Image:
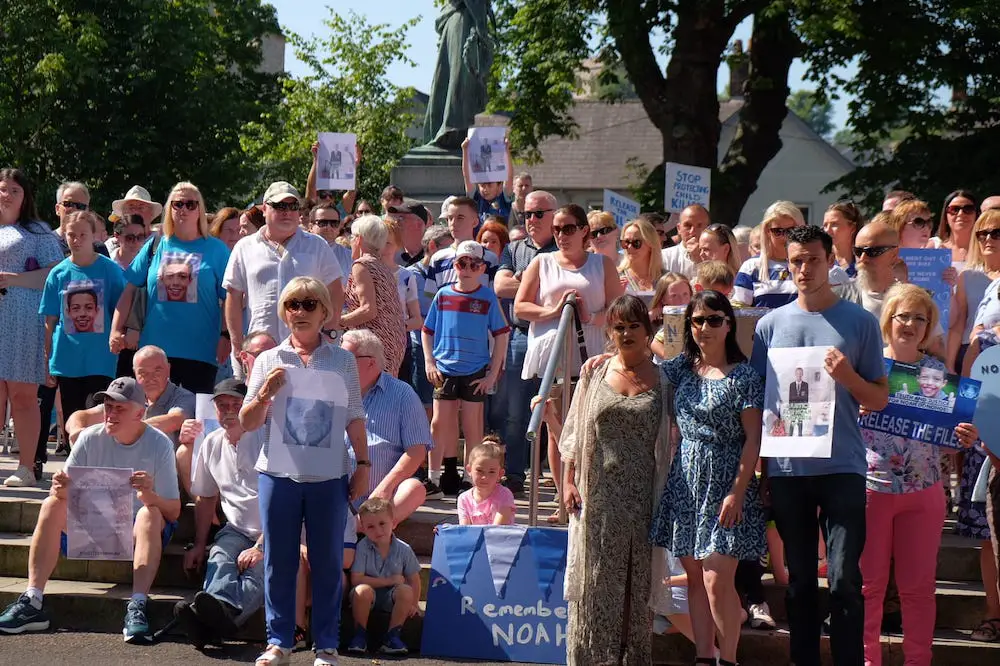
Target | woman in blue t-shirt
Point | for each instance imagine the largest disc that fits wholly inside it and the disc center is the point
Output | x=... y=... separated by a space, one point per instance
x=182 y=275
x=78 y=299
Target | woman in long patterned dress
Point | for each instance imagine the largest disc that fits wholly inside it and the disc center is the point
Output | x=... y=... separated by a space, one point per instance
x=28 y=249
x=614 y=447
x=371 y=298
x=710 y=515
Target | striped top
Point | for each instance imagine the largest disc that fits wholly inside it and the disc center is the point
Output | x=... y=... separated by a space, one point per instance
x=779 y=288
x=441 y=272
x=328 y=357
x=396 y=422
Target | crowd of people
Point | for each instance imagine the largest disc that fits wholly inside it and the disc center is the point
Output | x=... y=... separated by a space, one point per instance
x=438 y=330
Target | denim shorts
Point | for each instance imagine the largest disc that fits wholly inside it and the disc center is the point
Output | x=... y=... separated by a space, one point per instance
x=384 y=599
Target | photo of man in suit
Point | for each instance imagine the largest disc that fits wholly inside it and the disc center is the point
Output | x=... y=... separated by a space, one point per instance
x=798 y=394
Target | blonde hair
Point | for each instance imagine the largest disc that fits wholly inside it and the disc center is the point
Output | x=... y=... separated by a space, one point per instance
x=901 y=294
x=975 y=259
x=491 y=448
x=374 y=505
x=168 y=210
x=85 y=216
x=725 y=236
x=715 y=272
x=603 y=217
x=305 y=287
x=650 y=238
x=898 y=215
x=663 y=284
x=775 y=211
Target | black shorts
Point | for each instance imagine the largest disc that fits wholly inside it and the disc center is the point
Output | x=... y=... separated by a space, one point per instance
x=460 y=387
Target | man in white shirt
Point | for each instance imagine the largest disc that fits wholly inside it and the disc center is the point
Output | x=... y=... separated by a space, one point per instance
x=224 y=471
x=684 y=257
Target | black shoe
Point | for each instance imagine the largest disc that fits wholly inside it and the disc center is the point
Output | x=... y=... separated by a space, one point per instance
x=515 y=486
x=432 y=490
x=451 y=484
x=37 y=469
x=892 y=623
x=215 y=614
x=192 y=627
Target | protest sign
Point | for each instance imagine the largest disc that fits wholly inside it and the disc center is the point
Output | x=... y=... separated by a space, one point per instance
x=501 y=590
x=924 y=268
x=673 y=328
x=99 y=515
x=925 y=403
x=686 y=185
x=336 y=161
x=799 y=401
x=986 y=368
x=307 y=423
x=623 y=208
x=488 y=155
x=204 y=411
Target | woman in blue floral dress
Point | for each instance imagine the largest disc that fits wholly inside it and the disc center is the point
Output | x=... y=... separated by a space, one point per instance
x=710 y=515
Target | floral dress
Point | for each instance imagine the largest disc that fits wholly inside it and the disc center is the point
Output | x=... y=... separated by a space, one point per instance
x=388 y=321
x=899 y=465
x=972 y=521
x=707 y=463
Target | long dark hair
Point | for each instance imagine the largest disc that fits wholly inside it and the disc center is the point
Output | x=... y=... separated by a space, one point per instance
x=627 y=309
x=28 y=212
x=579 y=216
x=944 y=229
x=712 y=300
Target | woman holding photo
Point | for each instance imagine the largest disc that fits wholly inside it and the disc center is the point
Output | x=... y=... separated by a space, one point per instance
x=906 y=503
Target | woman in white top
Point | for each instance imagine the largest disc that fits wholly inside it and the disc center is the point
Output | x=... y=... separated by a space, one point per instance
x=982 y=268
x=643 y=263
x=545 y=287
x=764 y=281
x=958 y=215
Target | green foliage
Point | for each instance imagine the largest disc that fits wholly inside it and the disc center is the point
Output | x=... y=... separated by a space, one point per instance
x=132 y=92
x=816 y=113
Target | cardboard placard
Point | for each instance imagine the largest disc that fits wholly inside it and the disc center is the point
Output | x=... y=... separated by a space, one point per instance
x=686 y=185
x=623 y=208
x=673 y=328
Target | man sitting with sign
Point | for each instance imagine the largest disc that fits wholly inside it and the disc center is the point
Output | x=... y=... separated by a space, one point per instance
x=224 y=470
x=122 y=441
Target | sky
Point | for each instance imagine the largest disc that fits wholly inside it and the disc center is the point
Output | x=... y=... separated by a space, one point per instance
x=305 y=18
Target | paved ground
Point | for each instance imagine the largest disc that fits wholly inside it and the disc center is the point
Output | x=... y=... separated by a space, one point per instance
x=80 y=648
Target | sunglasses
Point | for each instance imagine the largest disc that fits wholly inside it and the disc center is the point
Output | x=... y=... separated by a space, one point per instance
x=133 y=238
x=920 y=223
x=968 y=209
x=538 y=214
x=907 y=319
x=306 y=304
x=565 y=230
x=284 y=205
x=468 y=264
x=872 y=250
x=780 y=231
x=323 y=195
x=190 y=204
x=992 y=234
x=715 y=321
x=75 y=205
x=635 y=244
x=597 y=233
x=327 y=223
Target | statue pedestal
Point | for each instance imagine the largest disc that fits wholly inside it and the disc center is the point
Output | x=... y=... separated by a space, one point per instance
x=429 y=175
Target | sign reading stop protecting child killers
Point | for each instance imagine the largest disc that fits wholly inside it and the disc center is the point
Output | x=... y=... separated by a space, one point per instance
x=685 y=186
x=496 y=593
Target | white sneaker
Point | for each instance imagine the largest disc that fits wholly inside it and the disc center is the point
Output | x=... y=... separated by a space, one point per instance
x=760 y=617
x=22 y=478
x=326 y=658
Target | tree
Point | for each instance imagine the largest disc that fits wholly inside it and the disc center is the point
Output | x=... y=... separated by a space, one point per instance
x=134 y=91
x=817 y=114
x=346 y=91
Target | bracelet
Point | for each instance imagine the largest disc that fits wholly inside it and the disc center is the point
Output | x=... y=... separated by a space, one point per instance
x=364 y=463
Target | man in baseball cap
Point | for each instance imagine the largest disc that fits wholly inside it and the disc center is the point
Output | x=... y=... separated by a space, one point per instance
x=281 y=191
x=122 y=441
x=413 y=218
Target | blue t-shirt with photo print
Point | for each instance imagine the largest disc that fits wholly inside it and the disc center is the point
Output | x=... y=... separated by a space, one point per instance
x=84 y=299
x=183 y=283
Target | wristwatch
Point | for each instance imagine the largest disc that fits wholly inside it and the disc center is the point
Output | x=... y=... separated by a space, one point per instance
x=259 y=547
x=364 y=463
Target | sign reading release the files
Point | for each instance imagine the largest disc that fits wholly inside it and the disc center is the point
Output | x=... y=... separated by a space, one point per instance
x=622 y=208
x=685 y=186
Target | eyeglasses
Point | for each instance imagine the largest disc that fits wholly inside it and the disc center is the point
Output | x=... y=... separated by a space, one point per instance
x=75 y=205
x=306 y=304
x=780 y=231
x=968 y=209
x=133 y=238
x=920 y=223
x=872 y=250
x=715 y=321
x=468 y=264
x=634 y=243
x=565 y=230
x=992 y=234
x=539 y=214
x=323 y=195
x=907 y=319
x=190 y=204
x=327 y=223
x=284 y=205
x=602 y=231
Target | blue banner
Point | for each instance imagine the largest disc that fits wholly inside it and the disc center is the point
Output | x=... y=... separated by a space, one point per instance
x=986 y=368
x=924 y=268
x=925 y=403
x=496 y=593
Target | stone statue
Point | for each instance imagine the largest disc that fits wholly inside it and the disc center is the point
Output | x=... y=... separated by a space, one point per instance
x=465 y=54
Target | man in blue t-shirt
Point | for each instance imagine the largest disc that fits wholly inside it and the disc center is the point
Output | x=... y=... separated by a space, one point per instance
x=832 y=488
x=460 y=323
x=492 y=198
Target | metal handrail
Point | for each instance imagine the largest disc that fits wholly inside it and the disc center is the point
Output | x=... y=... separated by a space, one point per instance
x=563 y=342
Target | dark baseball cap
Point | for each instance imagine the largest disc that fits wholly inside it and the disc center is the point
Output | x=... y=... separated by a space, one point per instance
x=409 y=207
x=233 y=387
x=123 y=389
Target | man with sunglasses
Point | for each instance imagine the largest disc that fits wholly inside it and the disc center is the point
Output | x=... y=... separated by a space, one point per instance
x=809 y=494
x=71 y=197
x=684 y=257
x=413 y=219
x=263 y=263
x=326 y=222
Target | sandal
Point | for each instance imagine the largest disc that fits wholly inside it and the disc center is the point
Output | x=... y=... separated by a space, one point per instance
x=274 y=655
x=554 y=519
x=988 y=631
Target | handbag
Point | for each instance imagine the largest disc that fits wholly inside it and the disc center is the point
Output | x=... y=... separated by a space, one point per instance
x=140 y=298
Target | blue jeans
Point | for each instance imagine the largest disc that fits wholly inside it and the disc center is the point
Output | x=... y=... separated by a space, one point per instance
x=518 y=394
x=284 y=504
x=419 y=377
x=223 y=579
x=839 y=500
